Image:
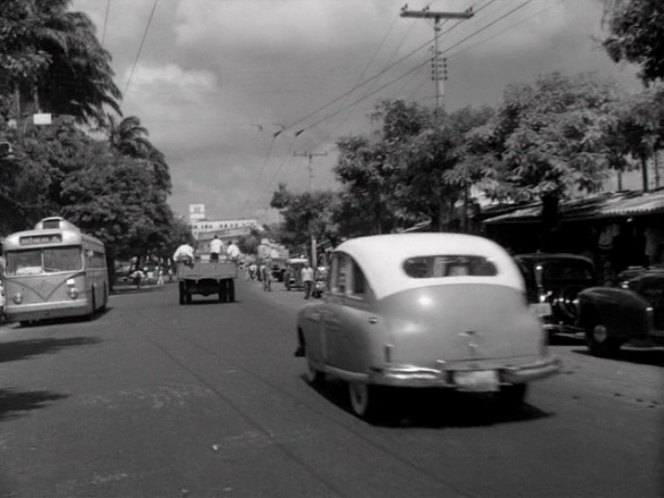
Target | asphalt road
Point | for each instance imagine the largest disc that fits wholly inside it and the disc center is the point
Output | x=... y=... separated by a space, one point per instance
x=157 y=399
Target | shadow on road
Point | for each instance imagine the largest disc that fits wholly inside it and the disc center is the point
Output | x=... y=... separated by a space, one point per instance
x=640 y=356
x=433 y=408
x=13 y=403
x=25 y=348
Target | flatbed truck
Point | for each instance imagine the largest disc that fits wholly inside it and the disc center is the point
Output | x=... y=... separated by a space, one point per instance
x=207 y=278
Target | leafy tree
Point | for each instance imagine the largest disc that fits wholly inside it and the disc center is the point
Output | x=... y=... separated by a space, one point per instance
x=639 y=127
x=547 y=141
x=306 y=214
x=430 y=177
x=52 y=59
x=363 y=169
x=636 y=34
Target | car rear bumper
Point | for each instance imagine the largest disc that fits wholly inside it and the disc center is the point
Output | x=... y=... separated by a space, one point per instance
x=411 y=376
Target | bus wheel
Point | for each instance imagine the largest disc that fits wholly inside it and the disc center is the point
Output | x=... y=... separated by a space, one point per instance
x=105 y=299
x=93 y=303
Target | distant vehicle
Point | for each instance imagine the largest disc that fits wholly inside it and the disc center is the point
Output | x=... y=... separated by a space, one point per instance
x=553 y=282
x=630 y=314
x=434 y=310
x=293 y=273
x=207 y=278
x=54 y=271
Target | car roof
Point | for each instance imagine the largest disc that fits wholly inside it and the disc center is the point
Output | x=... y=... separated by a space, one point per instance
x=381 y=258
x=545 y=256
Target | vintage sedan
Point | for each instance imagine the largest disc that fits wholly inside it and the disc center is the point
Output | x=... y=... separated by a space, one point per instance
x=632 y=313
x=424 y=310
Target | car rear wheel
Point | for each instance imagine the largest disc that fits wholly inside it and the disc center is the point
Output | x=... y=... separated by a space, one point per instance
x=366 y=400
x=599 y=342
x=183 y=293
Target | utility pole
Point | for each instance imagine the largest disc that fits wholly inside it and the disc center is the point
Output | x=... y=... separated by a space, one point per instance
x=311 y=155
x=437 y=64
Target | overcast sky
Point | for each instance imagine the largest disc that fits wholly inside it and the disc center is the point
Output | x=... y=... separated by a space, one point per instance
x=216 y=79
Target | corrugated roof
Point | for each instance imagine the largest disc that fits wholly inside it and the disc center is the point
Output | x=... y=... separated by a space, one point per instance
x=606 y=205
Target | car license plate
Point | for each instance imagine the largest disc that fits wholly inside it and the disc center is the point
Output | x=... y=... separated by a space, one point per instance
x=542 y=309
x=477 y=380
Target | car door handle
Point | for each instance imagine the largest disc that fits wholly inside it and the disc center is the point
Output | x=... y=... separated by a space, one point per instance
x=373 y=320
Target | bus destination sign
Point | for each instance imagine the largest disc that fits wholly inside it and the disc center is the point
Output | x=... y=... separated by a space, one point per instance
x=32 y=240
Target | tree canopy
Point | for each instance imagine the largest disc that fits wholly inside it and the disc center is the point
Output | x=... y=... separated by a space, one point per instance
x=636 y=34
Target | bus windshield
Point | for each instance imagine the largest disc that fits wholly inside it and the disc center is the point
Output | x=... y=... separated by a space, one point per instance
x=47 y=260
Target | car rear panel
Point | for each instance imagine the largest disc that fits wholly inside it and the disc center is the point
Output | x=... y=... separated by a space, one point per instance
x=460 y=323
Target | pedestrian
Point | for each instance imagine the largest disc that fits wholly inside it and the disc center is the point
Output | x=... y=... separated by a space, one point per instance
x=137 y=277
x=216 y=246
x=252 y=271
x=233 y=251
x=160 y=275
x=307 y=274
x=267 y=278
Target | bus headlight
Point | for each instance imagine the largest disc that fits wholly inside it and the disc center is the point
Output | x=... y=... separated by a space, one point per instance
x=18 y=298
x=72 y=292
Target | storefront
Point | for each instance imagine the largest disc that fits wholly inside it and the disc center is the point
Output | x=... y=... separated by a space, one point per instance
x=616 y=230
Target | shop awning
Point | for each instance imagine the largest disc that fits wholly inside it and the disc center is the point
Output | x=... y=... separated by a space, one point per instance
x=607 y=205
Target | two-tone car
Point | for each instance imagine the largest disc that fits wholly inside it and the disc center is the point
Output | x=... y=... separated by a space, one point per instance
x=424 y=310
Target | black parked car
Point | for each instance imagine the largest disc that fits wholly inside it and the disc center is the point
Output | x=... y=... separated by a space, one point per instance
x=632 y=313
x=553 y=282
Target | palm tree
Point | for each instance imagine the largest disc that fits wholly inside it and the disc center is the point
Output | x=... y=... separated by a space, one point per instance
x=51 y=58
x=129 y=138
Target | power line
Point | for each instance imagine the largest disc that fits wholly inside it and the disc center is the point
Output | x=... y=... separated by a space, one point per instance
x=103 y=34
x=465 y=49
x=140 y=47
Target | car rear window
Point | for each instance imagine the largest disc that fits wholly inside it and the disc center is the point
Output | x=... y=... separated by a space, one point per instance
x=457 y=265
x=567 y=270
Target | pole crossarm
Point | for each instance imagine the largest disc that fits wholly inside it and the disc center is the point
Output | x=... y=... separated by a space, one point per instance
x=427 y=14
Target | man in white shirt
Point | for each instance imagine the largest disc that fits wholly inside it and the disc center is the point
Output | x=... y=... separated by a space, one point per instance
x=215 y=248
x=233 y=251
x=307 y=274
x=184 y=253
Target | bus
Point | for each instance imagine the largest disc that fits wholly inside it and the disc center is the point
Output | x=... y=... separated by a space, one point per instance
x=53 y=271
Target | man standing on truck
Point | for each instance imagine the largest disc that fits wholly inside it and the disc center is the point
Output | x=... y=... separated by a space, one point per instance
x=184 y=254
x=233 y=251
x=216 y=246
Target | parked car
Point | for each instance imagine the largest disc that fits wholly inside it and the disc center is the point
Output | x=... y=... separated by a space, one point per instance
x=632 y=313
x=423 y=310
x=553 y=282
x=293 y=273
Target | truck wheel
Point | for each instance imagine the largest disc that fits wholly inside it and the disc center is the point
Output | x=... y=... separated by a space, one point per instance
x=222 y=291
x=599 y=342
x=230 y=287
x=188 y=297
x=183 y=294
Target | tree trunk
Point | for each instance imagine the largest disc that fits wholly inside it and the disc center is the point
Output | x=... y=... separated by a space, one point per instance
x=644 y=172
x=550 y=219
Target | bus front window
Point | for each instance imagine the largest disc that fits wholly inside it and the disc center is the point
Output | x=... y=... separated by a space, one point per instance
x=24 y=262
x=62 y=259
